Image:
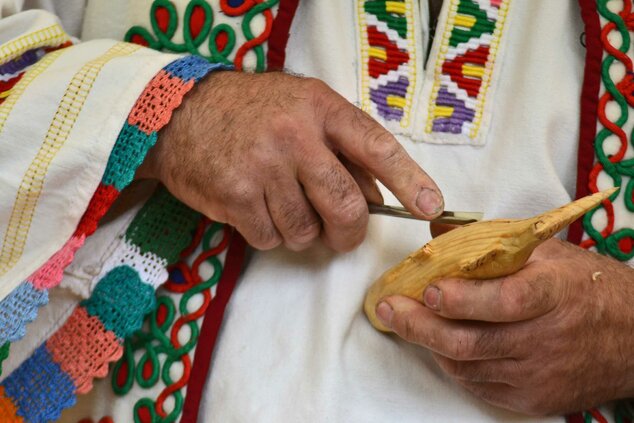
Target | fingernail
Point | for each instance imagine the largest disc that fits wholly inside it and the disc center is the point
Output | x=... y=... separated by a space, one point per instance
x=432 y=298
x=429 y=202
x=384 y=312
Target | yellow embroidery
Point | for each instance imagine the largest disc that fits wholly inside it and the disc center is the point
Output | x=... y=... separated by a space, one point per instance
x=51 y=36
x=377 y=53
x=388 y=58
x=464 y=66
x=465 y=21
x=396 y=7
x=59 y=130
x=18 y=89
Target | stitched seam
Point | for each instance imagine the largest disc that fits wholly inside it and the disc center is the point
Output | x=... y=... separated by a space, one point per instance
x=20 y=87
x=49 y=36
x=57 y=135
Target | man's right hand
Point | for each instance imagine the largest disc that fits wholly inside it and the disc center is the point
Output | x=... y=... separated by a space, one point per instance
x=284 y=159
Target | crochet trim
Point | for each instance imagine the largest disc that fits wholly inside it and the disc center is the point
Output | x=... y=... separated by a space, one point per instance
x=465 y=65
x=388 y=59
x=600 y=91
x=158 y=354
x=30 y=189
x=91 y=338
x=105 y=195
x=18 y=309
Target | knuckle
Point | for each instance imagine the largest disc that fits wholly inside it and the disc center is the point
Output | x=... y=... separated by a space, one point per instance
x=261 y=235
x=243 y=193
x=264 y=239
x=409 y=328
x=283 y=125
x=301 y=226
x=512 y=299
x=315 y=86
x=382 y=146
x=461 y=345
x=453 y=300
x=351 y=212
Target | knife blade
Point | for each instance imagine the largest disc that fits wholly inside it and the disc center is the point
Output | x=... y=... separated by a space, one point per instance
x=447 y=217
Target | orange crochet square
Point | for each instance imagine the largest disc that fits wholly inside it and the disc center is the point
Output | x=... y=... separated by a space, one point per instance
x=161 y=96
x=83 y=348
x=8 y=410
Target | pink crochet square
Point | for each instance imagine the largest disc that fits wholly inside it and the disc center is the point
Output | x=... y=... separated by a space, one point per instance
x=52 y=272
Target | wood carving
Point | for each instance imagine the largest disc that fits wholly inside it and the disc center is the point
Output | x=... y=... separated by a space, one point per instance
x=482 y=250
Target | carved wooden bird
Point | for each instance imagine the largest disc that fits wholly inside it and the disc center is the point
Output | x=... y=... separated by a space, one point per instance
x=482 y=250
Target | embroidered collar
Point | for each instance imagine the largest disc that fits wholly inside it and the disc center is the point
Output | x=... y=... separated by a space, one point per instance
x=452 y=106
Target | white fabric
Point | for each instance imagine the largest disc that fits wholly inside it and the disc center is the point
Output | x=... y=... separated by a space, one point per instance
x=76 y=170
x=296 y=345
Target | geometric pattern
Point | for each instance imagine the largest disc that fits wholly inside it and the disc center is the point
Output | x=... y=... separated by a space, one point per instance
x=388 y=61
x=464 y=66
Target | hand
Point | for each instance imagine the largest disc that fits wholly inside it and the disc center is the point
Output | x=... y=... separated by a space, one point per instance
x=556 y=337
x=284 y=159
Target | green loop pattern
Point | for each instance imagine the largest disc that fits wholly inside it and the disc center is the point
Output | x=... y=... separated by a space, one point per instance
x=620 y=172
x=220 y=39
x=155 y=352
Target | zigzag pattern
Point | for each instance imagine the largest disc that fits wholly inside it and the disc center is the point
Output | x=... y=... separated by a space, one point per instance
x=464 y=69
x=387 y=58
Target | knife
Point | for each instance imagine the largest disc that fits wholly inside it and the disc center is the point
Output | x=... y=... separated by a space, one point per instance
x=447 y=217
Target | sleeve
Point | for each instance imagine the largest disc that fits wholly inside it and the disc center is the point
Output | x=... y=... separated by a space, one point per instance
x=75 y=123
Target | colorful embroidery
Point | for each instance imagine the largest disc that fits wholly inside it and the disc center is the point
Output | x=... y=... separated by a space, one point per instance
x=115 y=304
x=388 y=61
x=4 y=353
x=70 y=105
x=610 y=227
x=50 y=36
x=464 y=66
x=201 y=37
x=12 y=72
x=157 y=354
x=91 y=338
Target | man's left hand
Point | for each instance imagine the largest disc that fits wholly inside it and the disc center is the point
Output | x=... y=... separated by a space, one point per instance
x=556 y=337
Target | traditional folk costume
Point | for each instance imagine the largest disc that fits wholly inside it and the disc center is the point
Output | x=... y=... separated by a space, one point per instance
x=112 y=295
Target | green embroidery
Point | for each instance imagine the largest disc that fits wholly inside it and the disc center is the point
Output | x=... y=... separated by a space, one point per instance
x=4 y=353
x=482 y=23
x=620 y=170
x=197 y=33
x=120 y=300
x=623 y=412
x=127 y=155
x=394 y=21
x=168 y=231
x=151 y=353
